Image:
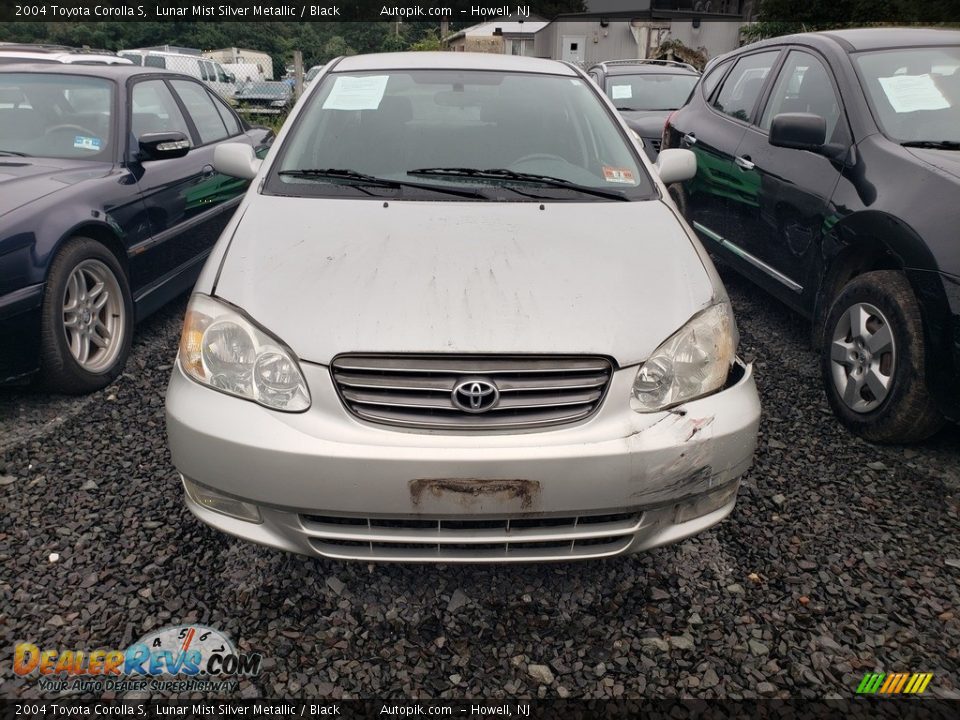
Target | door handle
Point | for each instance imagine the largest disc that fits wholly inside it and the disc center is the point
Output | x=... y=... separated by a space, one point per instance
x=207 y=171
x=689 y=139
x=744 y=162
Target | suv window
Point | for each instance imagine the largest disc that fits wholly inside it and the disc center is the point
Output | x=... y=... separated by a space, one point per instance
x=803 y=86
x=158 y=61
x=155 y=110
x=713 y=78
x=200 y=106
x=742 y=86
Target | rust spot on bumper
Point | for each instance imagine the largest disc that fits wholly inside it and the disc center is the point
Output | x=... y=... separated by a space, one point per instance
x=466 y=490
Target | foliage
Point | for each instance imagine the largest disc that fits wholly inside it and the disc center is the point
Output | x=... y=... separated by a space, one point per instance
x=783 y=17
x=430 y=41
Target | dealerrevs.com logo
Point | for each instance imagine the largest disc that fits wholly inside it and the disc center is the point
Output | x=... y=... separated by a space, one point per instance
x=190 y=652
x=894 y=683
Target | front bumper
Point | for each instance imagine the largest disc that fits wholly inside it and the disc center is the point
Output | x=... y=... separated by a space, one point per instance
x=328 y=484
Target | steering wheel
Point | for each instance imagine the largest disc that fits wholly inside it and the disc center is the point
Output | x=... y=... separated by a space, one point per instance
x=68 y=126
x=533 y=157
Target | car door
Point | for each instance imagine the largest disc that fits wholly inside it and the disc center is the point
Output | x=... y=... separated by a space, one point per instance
x=188 y=203
x=714 y=135
x=779 y=229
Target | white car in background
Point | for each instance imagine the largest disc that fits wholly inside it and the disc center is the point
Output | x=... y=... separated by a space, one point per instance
x=209 y=71
x=457 y=318
x=16 y=53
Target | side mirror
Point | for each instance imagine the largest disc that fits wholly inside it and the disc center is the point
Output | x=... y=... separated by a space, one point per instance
x=798 y=131
x=675 y=165
x=163 y=145
x=236 y=160
x=231 y=78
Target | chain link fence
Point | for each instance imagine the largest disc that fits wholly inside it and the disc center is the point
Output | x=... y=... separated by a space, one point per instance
x=247 y=86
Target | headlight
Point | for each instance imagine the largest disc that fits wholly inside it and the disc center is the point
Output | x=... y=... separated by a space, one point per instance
x=278 y=103
x=221 y=348
x=693 y=362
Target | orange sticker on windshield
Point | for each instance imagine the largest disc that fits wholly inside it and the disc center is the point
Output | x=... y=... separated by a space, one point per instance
x=618 y=175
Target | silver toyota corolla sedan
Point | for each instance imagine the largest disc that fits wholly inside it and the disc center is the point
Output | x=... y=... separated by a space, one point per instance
x=457 y=318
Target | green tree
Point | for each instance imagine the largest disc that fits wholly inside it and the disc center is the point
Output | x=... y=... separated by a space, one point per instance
x=429 y=41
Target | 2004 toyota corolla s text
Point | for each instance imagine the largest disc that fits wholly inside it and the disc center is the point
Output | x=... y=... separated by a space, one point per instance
x=457 y=318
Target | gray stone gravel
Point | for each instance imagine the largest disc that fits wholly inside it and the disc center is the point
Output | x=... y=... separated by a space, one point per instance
x=840 y=559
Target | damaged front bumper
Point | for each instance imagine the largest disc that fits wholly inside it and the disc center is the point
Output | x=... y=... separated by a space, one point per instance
x=325 y=483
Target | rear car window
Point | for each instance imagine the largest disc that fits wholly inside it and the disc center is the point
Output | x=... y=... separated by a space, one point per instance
x=201 y=108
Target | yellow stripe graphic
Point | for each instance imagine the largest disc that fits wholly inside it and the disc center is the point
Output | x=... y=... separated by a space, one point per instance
x=926 y=681
x=914 y=682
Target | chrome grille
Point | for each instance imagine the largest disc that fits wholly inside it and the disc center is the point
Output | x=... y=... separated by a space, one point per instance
x=472 y=539
x=417 y=391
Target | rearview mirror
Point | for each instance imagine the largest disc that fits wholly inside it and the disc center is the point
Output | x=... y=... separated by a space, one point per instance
x=676 y=165
x=163 y=145
x=236 y=160
x=798 y=131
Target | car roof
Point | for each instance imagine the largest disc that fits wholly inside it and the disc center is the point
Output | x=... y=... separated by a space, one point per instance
x=452 y=61
x=891 y=37
x=64 y=57
x=113 y=72
x=639 y=67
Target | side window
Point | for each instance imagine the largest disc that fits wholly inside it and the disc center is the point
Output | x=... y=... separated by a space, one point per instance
x=742 y=86
x=155 y=110
x=201 y=108
x=803 y=86
x=206 y=69
x=158 y=61
x=229 y=119
x=713 y=78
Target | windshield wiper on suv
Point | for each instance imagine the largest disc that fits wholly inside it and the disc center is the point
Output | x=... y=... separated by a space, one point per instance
x=13 y=152
x=510 y=175
x=360 y=179
x=933 y=144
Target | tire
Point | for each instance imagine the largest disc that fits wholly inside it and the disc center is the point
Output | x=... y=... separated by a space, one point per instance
x=85 y=336
x=873 y=360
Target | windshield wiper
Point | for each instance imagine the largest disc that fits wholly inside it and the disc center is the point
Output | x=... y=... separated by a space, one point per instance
x=13 y=152
x=360 y=179
x=933 y=144
x=512 y=175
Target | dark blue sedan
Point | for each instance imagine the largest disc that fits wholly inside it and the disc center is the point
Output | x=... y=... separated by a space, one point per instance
x=109 y=205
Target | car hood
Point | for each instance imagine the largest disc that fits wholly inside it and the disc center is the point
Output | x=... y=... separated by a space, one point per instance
x=946 y=160
x=646 y=123
x=336 y=276
x=23 y=180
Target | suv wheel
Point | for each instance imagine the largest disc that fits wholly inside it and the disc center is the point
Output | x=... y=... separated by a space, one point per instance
x=873 y=360
x=87 y=319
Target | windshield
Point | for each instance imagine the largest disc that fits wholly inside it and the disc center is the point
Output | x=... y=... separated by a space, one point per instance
x=914 y=92
x=56 y=116
x=390 y=124
x=650 y=91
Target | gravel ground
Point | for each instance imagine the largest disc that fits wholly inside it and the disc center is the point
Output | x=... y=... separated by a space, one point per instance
x=841 y=558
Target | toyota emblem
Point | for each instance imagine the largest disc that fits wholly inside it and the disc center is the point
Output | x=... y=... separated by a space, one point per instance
x=475 y=395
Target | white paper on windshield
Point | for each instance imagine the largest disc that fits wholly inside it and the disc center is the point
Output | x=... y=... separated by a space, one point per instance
x=356 y=93
x=908 y=93
x=622 y=92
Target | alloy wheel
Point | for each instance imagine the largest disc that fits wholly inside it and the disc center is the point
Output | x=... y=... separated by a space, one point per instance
x=93 y=316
